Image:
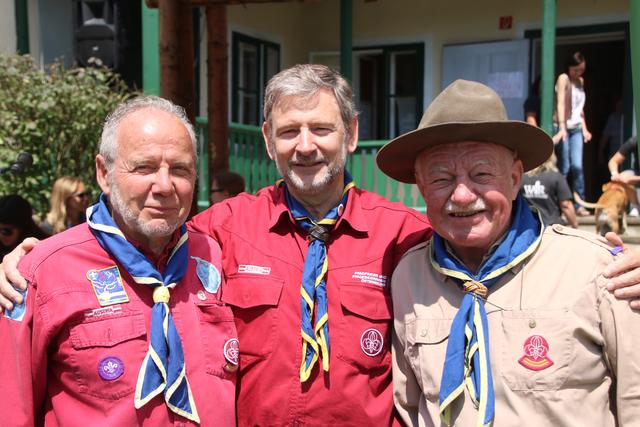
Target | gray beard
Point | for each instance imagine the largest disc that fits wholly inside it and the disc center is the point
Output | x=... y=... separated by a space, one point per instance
x=133 y=221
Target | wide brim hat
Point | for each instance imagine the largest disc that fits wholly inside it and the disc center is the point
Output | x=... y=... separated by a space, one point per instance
x=464 y=111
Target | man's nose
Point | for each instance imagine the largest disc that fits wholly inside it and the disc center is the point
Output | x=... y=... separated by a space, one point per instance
x=306 y=144
x=162 y=181
x=463 y=195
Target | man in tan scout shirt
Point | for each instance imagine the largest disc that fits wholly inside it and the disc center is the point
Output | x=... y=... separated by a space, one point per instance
x=498 y=320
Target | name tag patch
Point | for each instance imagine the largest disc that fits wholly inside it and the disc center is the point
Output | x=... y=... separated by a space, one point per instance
x=107 y=285
x=371 y=278
x=254 y=269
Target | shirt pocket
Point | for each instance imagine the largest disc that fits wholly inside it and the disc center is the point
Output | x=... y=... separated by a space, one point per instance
x=107 y=354
x=537 y=348
x=219 y=339
x=426 y=350
x=364 y=335
x=254 y=301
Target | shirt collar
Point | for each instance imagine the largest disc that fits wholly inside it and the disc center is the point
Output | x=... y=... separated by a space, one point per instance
x=353 y=214
x=159 y=261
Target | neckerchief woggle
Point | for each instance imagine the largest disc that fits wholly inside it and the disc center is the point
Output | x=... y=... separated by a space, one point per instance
x=163 y=369
x=313 y=289
x=467 y=361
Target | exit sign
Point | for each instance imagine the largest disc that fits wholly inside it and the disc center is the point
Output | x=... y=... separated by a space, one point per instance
x=506 y=22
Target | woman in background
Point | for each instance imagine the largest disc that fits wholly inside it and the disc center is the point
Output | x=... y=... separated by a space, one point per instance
x=16 y=223
x=69 y=201
x=572 y=127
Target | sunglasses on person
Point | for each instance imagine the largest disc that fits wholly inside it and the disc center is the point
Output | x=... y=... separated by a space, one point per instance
x=83 y=195
x=7 y=231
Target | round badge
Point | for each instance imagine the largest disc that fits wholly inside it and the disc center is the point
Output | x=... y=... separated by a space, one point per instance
x=110 y=368
x=340 y=209
x=371 y=342
x=231 y=351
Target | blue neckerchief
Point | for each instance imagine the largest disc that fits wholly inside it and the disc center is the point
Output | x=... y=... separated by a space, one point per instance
x=467 y=359
x=163 y=368
x=314 y=287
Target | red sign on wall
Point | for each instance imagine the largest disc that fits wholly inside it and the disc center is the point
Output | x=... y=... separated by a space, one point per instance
x=506 y=22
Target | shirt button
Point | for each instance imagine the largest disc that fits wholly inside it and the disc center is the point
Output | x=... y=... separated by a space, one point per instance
x=201 y=295
x=532 y=323
x=423 y=333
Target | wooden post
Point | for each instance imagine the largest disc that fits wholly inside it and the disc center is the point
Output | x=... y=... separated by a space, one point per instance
x=177 y=82
x=217 y=79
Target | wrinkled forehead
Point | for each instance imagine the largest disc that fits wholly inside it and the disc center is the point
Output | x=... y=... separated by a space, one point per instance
x=468 y=151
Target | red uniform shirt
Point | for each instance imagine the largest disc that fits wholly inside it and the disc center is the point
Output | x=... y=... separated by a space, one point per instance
x=72 y=362
x=263 y=255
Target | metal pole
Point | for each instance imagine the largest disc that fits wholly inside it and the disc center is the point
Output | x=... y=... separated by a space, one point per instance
x=150 y=50
x=346 y=38
x=548 y=64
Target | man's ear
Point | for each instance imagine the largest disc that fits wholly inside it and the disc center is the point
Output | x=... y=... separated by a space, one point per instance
x=102 y=174
x=266 y=138
x=517 y=170
x=352 y=143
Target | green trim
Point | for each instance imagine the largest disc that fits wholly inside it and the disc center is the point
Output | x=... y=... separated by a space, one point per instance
x=150 y=50
x=387 y=50
x=21 y=10
x=261 y=70
x=346 y=39
x=548 y=65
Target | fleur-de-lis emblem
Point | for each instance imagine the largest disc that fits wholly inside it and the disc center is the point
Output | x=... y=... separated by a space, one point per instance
x=535 y=356
x=371 y=342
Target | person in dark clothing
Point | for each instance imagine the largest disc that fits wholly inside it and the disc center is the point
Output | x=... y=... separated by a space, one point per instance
x=631 y=176
x=16 y=223
x=547 y=191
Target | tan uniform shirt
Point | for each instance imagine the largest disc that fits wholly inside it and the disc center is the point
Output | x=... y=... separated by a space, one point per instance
x=562 y=348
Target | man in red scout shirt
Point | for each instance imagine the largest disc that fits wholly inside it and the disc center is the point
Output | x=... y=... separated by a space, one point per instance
x=123 y=324
x=307 y=264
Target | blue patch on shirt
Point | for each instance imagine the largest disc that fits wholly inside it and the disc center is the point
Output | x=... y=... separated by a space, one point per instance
x=108 y=286
x=17 y=313
x=208 y=274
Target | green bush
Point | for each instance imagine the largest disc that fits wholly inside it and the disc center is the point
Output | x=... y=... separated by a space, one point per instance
x=56 y=114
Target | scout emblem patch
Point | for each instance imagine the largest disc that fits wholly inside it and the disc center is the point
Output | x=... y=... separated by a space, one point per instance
x=231 y=350
x=208 y=274
x=371 y=342
x=535 y=354
x=17 y=313
x=110 y=368
x=107 y=284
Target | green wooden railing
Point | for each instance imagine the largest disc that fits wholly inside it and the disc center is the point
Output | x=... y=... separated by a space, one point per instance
x=248 y=157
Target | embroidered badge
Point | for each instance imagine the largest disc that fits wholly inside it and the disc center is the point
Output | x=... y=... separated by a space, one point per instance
x=535 y=354
x=17 y=313
x=371 y=342
x=110 y=368
x=254 y=269
x=108 y=286
x=208 y=274
x=231 y=351
x=371 y=278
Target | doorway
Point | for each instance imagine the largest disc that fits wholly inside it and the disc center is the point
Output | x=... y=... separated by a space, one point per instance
x=606 y=79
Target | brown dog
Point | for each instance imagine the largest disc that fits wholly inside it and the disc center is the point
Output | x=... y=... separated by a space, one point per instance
x=611 y=207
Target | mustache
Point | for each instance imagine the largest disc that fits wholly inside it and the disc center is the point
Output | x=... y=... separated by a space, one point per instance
x=307 y=160
x=453 y=208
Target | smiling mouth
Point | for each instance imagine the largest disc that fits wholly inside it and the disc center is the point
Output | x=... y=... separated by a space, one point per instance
x=464 y=214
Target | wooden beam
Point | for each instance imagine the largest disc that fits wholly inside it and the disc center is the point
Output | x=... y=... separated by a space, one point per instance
x=177 y=80
x=217 y=80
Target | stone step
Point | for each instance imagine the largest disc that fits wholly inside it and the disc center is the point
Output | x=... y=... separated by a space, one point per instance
x=631 y=235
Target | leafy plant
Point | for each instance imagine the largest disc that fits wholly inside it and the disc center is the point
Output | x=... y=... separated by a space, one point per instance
x=56 y=114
